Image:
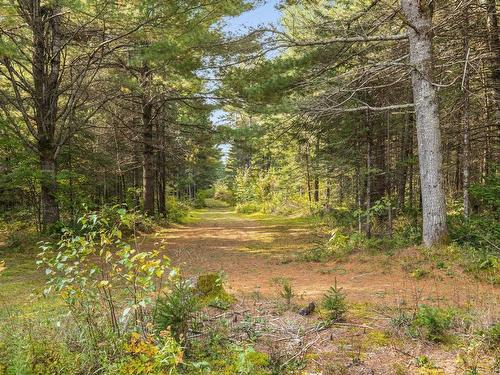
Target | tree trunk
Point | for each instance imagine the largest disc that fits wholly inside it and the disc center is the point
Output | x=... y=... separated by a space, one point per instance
x=148 y=182
x=308 y=176
x=316 y=172
x=162 y=209
x=419 y=16
x=368 y=188
x=48 y=183
x=465 y=119
x=46 y=67
x=403 y=161
x=494 y=46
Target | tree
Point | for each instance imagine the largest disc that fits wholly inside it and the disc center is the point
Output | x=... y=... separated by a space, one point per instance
x=51 y=54
x=419 y=17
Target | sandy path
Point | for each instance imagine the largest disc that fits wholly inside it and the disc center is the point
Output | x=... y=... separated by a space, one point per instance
x=253 y=255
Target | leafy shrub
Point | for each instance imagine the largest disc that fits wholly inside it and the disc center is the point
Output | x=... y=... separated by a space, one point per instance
x=223 y=193
x=432 y=323
x=176 y=308
x=491 y=336
x=251 y=362
x=176 y=210
x=84 y=269
x=144 y=355
x=201 y=197
x=28 y=348
x=248 y=208
x=334 y=304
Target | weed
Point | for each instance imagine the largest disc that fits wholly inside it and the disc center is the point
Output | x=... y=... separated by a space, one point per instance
x=432 y=323
x=491 y=336
x=419 y=273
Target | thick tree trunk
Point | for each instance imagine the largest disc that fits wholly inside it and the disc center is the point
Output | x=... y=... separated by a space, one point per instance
x=48 y=184
x=419 y=16
x=46 y=67
x=148 y=182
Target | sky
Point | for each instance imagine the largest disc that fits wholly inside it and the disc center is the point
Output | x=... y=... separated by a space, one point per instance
x=263 y=14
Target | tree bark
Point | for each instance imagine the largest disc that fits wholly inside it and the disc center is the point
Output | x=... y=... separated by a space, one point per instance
x=46 y=61
x=48 y=184
x=162 y=184
x=403 y=161
x=316 y=172
x=419 y=16
x=465 y=119
x=148 y=182
x=494 y=45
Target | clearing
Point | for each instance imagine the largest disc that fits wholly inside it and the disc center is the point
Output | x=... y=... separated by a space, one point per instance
x=256 y=251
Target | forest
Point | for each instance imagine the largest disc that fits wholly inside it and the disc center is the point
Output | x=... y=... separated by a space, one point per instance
x=249 y=187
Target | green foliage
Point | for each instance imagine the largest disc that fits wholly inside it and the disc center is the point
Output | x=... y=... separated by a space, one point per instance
x=334 y=304
x=86 y=268
x=176 y=309
x=201 y=197
x=223 y=193
x=34 y=350
x=491 y=336
x=487 y=195
x=147 y=356
x=248 y=208
x=286 y=291
x=176 y=210
x=251 y=362
x=432 y=323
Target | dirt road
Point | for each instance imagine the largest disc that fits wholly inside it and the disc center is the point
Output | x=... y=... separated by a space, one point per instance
x=255 y=253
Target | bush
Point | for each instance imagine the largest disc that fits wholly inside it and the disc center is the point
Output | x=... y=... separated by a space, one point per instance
x=26 y=347
x=176 y=309
x=201 y=198
x=334 y=304
x=144 y=355
x=84 y=269
x=432 y=323
x=176 y=210
x=223 y=193
x=248 y=208
x=491 y=336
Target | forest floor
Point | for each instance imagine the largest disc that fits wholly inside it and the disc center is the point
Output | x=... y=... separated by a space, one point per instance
x=256 y=251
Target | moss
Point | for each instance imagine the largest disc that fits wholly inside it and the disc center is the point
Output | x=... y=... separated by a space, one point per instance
x=258 y=359
x=210 y=290
x=376 y=339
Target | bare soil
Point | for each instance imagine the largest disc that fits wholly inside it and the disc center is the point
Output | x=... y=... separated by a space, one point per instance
x=254 y=254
